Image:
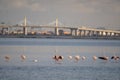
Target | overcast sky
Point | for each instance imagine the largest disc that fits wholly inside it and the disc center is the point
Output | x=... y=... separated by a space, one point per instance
x=93 y=13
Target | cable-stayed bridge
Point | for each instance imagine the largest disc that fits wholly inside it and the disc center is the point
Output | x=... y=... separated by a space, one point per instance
x=59 y=28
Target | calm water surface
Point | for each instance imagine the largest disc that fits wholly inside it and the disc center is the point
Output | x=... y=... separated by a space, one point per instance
x=47 y=69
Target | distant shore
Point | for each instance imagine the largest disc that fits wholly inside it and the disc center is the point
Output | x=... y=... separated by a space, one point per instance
x=58 y=37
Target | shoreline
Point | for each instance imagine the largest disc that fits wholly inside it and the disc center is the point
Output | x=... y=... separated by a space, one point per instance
x=59 y=37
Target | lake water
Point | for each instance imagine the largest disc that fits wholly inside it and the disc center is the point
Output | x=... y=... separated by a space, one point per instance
x=46 y=68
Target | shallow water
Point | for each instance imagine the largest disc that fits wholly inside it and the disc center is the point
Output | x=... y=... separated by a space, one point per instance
x=47 y=69
x=59 y=73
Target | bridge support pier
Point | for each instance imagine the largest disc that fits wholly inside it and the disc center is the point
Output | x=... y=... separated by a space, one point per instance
x=97 y=33
x=101 y=34
x=83 y=33
x=71 y=32
x=88 y=33
x=76 y=32
x=80 y=33
x=110 y=34
x=25 y=30
x=56 y=31
x=106 y=34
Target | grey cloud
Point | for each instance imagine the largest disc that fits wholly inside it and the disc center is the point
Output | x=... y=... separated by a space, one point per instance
x=81 y=6
x=19 y=4
x=100 y=5
x=76 y=12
